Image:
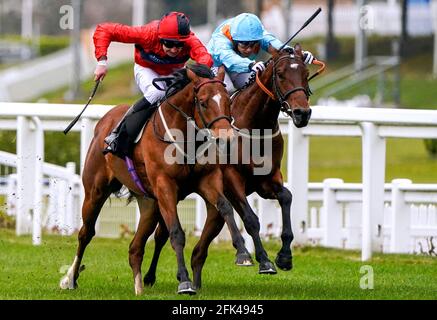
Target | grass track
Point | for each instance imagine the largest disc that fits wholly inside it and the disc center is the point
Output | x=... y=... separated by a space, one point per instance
x=29 y=272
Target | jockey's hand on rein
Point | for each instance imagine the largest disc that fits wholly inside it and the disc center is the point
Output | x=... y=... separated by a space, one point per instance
x=307 y=57
x=258 y=66
x=101 y=70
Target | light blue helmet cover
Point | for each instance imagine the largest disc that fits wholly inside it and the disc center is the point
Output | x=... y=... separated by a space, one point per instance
x=246 y=27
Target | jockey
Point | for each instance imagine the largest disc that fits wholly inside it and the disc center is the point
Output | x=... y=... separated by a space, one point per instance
x=161 y=47
x=236 y=43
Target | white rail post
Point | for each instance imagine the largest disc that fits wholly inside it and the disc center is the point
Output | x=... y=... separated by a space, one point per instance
x=71 y=216
x=254 y=202
x=26 y=150
x=269 y=218
x=62 y=188
x=298 y=158
x=200 y=215
x=11 y=200
x=331 y=215
x=373 y=153
x=86 y=135
x=353 y=225
x=38 y=176
x=400 y=218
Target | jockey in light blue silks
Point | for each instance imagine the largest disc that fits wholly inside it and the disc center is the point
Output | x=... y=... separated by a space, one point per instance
x=237 y=42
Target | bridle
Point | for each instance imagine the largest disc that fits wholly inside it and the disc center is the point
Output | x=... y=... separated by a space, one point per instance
x=189 y=119
x=208 y=125
x=277 y=95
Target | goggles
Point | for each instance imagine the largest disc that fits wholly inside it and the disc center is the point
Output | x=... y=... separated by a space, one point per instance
x=172 y=43
x=247 y=44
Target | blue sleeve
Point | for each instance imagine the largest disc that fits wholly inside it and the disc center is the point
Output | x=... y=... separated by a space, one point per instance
x=270 y=39
x=223 y=53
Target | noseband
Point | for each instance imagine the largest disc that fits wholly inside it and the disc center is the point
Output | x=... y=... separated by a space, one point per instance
x=278 y=95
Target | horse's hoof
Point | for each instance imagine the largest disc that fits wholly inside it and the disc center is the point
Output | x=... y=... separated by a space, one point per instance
x=267 y=268
x=139 y=291
x=186 y=287
x=244 y=259
x=284 y=262
x=149 y=280
x=67 y=283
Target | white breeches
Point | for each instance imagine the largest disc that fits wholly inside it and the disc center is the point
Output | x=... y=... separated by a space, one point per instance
x=144 y=78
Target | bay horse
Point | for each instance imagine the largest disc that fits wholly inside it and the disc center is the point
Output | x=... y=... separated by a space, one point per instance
x=158 y=184
x=283 y=86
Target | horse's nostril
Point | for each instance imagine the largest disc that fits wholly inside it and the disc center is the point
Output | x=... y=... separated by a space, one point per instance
x=297 y=112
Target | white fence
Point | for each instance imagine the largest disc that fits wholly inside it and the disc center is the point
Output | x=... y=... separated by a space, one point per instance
x=373 y=125
x=56 y=201
x=409 y=217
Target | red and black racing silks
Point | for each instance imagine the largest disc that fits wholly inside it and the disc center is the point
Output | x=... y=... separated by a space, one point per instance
x=148 y=49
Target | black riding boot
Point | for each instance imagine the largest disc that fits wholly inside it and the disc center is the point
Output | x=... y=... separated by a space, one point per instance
x=121 y=140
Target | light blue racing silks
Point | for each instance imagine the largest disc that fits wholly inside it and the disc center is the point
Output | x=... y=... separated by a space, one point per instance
x=222 y=49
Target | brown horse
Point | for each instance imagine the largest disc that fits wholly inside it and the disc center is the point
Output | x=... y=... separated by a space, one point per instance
x=204 y=103
x=282 y=86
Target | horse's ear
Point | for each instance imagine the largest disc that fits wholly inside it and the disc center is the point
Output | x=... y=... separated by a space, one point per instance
x=298 y=49
x=192 y=76
x=221 y=73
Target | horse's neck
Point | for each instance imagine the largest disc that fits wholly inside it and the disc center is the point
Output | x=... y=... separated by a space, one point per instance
x=184 y=101
x=250 y=109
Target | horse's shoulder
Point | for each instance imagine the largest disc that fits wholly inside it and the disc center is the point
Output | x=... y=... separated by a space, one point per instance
x=113 y=114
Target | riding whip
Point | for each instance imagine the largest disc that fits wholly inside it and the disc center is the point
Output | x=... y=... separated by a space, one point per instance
x=78 y=116
x=304 y=25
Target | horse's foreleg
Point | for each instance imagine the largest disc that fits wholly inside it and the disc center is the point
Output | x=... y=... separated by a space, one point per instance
x=95 y=197
x=146 y=225
x=166 y=194
x=284 y=258
x=236 y=193
x=252 y=225
x=161 y=236
x=211 y=189
x=213 y=225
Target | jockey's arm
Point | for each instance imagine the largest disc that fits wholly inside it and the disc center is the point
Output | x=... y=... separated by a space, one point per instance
x=105 y=33
x=269 y=40
x=198 y=52
x=108 y=32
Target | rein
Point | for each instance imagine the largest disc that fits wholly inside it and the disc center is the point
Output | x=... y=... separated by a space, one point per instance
x=188 y=119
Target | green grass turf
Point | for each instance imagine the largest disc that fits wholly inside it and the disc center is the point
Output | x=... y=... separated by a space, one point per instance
x=33 y=272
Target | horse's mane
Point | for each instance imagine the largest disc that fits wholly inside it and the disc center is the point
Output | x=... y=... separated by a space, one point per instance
x=201 y=70
x=180 y=78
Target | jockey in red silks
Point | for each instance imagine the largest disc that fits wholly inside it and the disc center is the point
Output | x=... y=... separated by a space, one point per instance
x=161 y=47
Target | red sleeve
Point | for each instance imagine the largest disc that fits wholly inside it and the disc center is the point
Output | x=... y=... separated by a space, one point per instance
x=107 y=32
x=198 y=52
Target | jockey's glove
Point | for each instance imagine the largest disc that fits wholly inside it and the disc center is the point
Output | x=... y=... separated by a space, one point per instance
x=307 y=57
x=214 y=71
x=258 y=66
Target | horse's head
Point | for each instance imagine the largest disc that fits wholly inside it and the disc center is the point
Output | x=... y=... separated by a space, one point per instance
x=290 y=85
x=212 y=102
